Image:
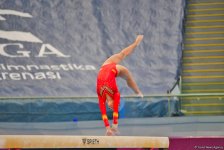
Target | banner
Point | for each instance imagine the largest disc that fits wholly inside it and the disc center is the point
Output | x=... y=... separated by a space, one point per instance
x=55 y=47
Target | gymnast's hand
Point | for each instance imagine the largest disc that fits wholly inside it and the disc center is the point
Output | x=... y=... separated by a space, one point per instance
x=139 y=39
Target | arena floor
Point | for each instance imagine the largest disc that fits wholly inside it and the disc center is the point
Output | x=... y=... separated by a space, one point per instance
x=165 y=126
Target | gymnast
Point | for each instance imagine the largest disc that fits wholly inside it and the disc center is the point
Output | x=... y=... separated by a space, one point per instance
x=107 y=89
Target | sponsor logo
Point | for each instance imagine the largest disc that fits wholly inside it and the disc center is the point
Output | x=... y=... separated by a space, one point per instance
x=19 y=49
x=88 y=141
x=18 y=44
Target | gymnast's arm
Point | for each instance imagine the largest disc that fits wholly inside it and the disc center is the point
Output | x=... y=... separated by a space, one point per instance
x=124 y=73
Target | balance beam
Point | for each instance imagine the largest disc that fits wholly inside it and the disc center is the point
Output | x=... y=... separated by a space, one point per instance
x=67 y=141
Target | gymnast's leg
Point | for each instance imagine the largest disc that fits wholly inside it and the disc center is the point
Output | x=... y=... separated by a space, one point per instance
x=117 y=58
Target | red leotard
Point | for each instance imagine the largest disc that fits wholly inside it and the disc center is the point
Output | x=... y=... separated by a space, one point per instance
x=106 y=85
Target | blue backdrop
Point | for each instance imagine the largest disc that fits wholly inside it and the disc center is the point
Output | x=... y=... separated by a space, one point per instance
x=55 y=47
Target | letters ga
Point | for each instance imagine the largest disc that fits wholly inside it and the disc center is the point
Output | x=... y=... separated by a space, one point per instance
x=44 y=51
